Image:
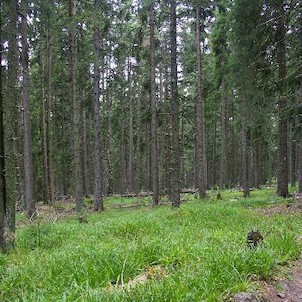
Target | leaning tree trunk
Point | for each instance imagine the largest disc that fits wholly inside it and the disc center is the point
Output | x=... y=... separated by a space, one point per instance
x=175 y=190
x=154 y=149
x=10 y=114
x=98 y=198
x=282 y=188
x=75 y=108
x=200 y=132
x=27 y=143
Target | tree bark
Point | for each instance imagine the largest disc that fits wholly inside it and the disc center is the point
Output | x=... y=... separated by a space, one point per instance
x=154 y=149
x=27 y=140
x=200 y=131
x=78 y=186
x=175 y=192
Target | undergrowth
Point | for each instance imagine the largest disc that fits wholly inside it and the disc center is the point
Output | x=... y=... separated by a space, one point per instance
x=201 y=248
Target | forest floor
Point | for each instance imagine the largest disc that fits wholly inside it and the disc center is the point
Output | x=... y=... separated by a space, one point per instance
x=136 y=252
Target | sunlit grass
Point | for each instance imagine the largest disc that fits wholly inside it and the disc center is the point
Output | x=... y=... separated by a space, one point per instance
x=201 y=247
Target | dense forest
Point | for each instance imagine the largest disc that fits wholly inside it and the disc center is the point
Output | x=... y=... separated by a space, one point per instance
x=124 y=97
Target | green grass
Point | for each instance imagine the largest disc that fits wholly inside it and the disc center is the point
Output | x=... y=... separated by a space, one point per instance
x=201 y=248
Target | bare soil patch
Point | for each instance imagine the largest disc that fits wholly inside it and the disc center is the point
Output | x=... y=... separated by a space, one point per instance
x=294 y=207
x=288 y=289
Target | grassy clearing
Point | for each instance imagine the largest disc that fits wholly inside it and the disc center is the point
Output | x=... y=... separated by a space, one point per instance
x=197 y=252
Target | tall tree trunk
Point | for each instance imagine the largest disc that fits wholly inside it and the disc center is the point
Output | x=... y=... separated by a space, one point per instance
x=51 y=189
x=109 y=147
x=232 y=179
x=27 y=141
x=123 y=163
x=167 y=132
x=222 y=172
x=44 y=109
x=175 y=190
x=245 y=174
x=154 y=149
x=138 y=159
x=282 y=188
x=78 y=188
x=200 y=131
x=10 y=114
x=98 y=198
x=130 y=130
x=108 y=129
x=2 y=169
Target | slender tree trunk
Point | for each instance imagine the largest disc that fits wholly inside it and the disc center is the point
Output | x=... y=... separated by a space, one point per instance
x=292 y=155
x=2 y=169
x=257 y=163
x=10 y=113
x=51 y=187
x=98 y=199
x=167 y=133
x=214 y=180
x=46 y=196
x=222 y=174
x=109 y=142
x=200 y=131
x=175 y=190
x=84 y=152
x=130 y=130
x=138 y=160
x=245 y=174
x=78 y=186
x=123 y=162
x=154 y=149
x=27 y=143
x=233 y=149
x=300 y=165
x=282 y=188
